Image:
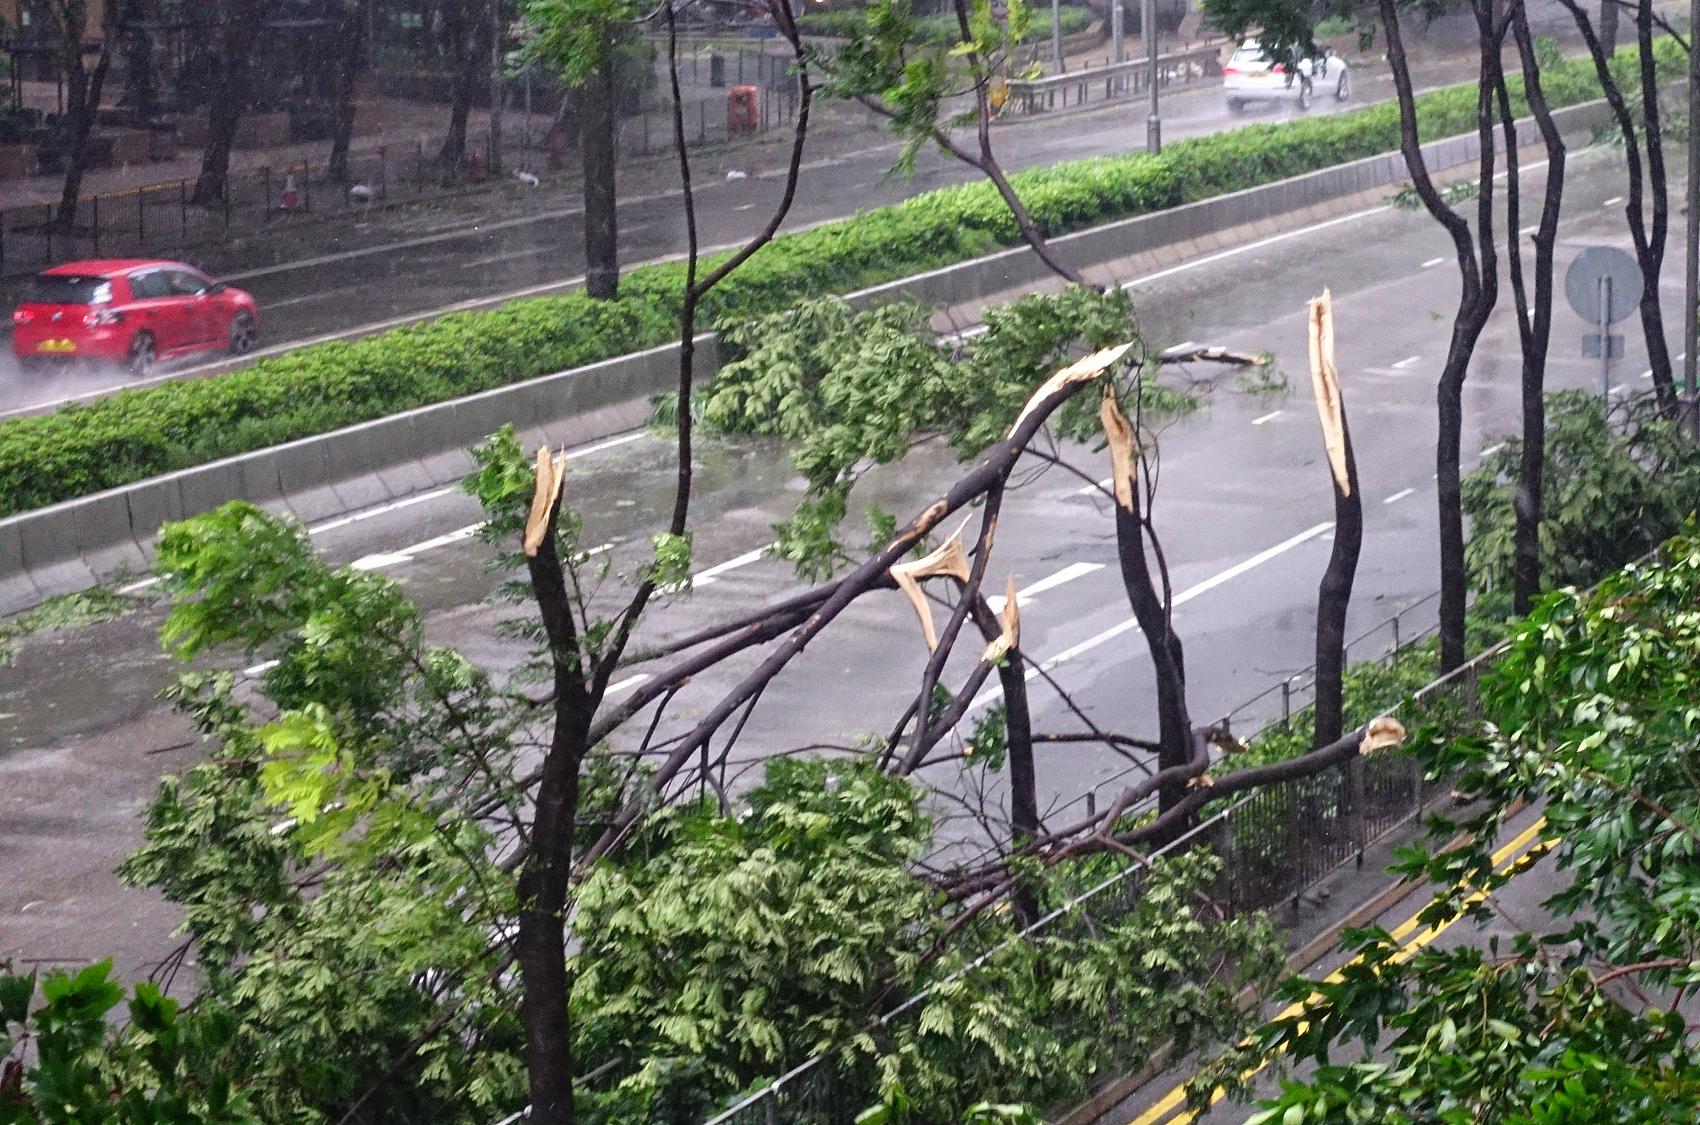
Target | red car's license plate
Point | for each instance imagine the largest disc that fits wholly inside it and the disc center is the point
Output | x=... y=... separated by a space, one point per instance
x=57 y=347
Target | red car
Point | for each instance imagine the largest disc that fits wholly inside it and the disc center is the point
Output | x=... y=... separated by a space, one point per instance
x=132 y=313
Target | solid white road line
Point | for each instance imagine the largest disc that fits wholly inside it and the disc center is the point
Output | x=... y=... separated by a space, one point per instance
x=624 y=685
x=381 y=509
x=745 y=559
x=1267 y=417
x=1095 y=489
x=1067 y=574
x=1647 y=374
x=1398 y=496
x=1613 y=201
x=1076 y=651
x=1258 y=245
x=1406 y=362
x=1492 y=449
x=1432 y=262
x=1530 y=230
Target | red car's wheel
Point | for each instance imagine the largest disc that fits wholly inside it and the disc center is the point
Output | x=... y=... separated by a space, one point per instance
x=142 y=355
x=243 y=335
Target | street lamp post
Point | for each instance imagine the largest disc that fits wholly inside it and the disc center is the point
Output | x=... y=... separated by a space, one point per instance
x=1116 y=29
x=496 y=87
x=1056 y=36
x=1148 y=28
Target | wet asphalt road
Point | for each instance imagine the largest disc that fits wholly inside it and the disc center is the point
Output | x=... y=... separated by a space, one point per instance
x=395 y=278
x=1243 y=509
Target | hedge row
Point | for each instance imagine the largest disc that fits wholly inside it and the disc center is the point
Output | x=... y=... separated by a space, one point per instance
x=141 y=433
x=938 y=29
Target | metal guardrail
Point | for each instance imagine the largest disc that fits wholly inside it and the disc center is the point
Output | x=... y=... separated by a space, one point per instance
x=1114 y=80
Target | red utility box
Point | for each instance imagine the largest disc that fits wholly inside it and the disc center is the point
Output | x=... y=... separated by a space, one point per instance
x=742 y=110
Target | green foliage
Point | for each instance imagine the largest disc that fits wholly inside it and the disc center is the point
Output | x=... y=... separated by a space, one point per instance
x=62 y=1061
x=1589 y=715
x=66 y=611
x=137 y=434
x=935 y=30
x=340 y=891
x=744 y=945
x=853 y=390
x=1407 y=199
x=1616 y=484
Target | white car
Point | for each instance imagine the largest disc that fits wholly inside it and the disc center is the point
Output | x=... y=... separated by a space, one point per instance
x=1252 y=76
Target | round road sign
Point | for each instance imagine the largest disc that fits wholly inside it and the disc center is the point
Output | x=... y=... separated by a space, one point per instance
x=1582 y=283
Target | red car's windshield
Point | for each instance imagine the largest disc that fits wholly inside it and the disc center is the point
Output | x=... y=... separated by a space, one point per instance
x=67 y=289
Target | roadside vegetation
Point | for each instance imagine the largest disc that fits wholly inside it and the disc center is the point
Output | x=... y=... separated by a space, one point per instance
x=418 y=889
x=133 y=435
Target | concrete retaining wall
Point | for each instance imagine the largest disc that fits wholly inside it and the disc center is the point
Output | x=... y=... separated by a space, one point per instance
x=71 y=546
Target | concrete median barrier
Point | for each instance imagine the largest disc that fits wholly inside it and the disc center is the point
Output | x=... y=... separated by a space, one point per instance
x=71 y=545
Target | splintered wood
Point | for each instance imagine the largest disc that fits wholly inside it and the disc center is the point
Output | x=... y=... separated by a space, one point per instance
x=1325 y=380
x=1118 y=433
x=945 y=560
x=1081 y=370
x=1381 y=734
x=549 y=478
x=1010 y=638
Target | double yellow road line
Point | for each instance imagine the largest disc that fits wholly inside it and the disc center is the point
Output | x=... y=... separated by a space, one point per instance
x=1171 y=1109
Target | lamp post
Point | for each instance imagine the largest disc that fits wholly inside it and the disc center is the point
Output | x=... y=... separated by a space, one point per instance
x=1116 y=29
x=1148 y=28
x=496 y=87
x=1056 y=36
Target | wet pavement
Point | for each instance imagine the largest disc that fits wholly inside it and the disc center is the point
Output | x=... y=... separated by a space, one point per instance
x=1243 y=508
x=402 y=265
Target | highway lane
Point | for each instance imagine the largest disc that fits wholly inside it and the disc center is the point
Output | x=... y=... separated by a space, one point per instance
x=1242 y=495
x=525 y=254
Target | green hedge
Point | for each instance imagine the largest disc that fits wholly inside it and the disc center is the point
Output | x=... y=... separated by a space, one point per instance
x=141 y=433
x=938 y=29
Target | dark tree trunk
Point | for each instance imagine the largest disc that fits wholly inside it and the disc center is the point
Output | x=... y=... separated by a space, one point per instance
x=1334 y=595
x=541 y=946
x=1649 y=246
x=348 y=76
x=1534 y=323
x=597 y=143
x=1151 y=611
x=237 y=29
x=1608 y=25
x=82 y=105
x=467 y=32
x=137 y=48
x=1650 y=250
x=1478 y=272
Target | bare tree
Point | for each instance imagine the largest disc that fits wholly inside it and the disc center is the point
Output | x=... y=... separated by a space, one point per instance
x=1478 y=270
x=83 y=88
x=1334 y=597
x=1534 y=320
x=1648 y=185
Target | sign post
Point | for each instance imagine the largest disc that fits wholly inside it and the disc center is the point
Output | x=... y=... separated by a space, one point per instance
x=1603 y=285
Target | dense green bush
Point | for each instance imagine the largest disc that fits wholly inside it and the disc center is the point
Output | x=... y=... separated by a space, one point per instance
x=137 y=434
x=937 y=29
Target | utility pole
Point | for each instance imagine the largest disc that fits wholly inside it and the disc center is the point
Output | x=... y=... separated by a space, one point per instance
x=496 y=38
x=1690 y=312
x=1056 y=36
x=1148 y=28
x=1116 y=28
